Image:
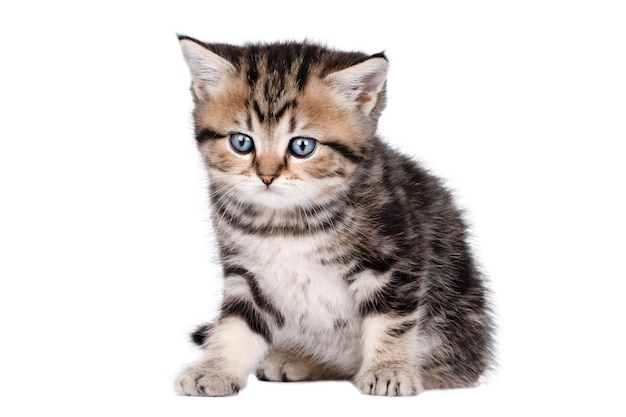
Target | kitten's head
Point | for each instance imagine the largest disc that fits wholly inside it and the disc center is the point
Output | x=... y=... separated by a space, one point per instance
x=283 y=125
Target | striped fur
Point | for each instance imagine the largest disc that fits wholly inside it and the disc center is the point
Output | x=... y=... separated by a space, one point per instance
x=349 y=263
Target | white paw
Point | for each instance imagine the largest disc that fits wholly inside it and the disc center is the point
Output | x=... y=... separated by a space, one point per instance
x=388 y=381
x=280 y=369
x=201 y=380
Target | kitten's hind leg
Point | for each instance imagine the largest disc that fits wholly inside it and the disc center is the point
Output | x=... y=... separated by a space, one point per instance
x=459 y=353
x=285 y=365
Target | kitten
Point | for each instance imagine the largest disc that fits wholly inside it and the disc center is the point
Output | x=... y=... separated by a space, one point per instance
x=342 y=258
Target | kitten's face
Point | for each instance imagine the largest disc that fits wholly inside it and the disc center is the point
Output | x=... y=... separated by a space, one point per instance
x=277 y=129
x=285 y=162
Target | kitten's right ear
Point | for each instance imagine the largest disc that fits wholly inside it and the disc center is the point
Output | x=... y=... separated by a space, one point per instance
x=209 y=71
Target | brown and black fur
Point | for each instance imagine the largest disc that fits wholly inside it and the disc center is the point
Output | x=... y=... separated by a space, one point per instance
x=390 y=219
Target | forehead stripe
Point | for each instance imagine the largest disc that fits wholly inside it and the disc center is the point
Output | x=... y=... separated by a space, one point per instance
x=281 y=112
x=303 y=72
x=257 y=110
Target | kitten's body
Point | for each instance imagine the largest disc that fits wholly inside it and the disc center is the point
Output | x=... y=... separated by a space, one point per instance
x=348 y=262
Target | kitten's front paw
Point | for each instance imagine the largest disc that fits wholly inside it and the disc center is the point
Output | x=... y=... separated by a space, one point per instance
x=388 y=381
x=203 y=381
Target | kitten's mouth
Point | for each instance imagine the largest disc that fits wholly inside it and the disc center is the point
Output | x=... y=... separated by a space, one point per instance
x=269 y=195
x=268 y=189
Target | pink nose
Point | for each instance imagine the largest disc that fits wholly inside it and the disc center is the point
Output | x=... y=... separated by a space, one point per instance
x=267 y=178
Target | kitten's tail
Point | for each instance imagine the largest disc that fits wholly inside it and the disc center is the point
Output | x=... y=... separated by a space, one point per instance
x=200 y=336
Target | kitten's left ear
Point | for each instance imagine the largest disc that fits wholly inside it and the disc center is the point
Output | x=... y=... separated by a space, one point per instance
x=359 y=85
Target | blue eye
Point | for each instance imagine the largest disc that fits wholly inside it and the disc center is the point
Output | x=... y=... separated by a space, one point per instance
x=302 y=147
x=241 y=143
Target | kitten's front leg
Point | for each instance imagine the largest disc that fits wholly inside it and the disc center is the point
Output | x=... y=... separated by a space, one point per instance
x=390 y=344
x=390 y=357
x=233 y=351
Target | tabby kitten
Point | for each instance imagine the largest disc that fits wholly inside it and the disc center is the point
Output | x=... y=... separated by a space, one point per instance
x=342 y=258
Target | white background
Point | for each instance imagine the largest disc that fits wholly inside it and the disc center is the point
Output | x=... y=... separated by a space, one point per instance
x=107 y=259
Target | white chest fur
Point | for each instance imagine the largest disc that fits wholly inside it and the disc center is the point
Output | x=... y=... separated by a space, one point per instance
x=311 y=294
